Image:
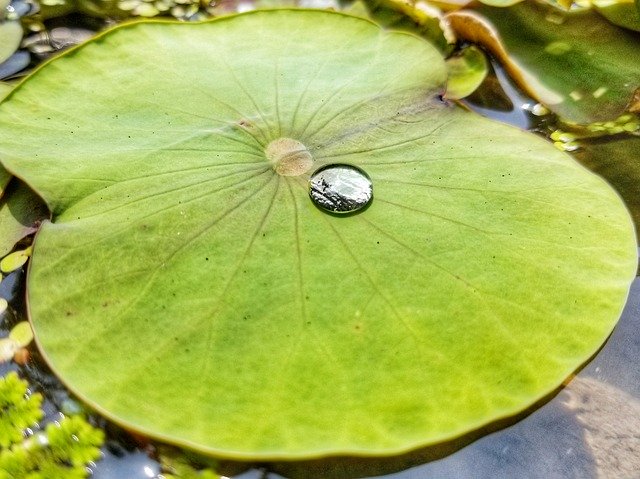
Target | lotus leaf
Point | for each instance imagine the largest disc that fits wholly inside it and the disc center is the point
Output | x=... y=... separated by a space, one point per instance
x=188 y=288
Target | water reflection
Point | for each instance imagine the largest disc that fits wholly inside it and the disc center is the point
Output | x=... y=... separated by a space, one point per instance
x=340 y=188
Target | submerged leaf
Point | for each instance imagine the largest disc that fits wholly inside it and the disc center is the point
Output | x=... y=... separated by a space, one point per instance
x=247 y=322
x=621 y=12
x=553 y=56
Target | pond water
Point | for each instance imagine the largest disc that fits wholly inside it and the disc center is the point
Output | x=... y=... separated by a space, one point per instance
x=589 y=429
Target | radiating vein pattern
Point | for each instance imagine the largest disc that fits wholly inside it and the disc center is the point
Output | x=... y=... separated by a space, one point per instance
x=188 y=288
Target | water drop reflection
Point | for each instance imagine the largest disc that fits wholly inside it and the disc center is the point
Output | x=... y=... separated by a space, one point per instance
x=339 y=188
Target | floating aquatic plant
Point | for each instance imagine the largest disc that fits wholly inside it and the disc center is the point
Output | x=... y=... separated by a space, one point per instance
x=19 y=409
x=15 y=260
x=188 y=287
x=62 y=451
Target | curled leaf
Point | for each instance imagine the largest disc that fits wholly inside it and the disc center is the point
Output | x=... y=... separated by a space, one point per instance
x=552 y=55
x=466 y=72
x=473 y=27
x=619 y=12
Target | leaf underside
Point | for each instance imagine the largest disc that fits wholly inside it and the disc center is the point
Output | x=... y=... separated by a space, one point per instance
x=186 y=290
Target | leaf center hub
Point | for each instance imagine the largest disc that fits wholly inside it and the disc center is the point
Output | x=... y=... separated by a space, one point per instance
x=289 y=157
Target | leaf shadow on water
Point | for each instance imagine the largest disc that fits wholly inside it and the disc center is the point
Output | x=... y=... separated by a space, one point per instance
x=354 y=467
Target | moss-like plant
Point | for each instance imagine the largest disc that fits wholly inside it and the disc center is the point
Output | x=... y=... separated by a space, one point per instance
x=61 y=451
x=19 y=410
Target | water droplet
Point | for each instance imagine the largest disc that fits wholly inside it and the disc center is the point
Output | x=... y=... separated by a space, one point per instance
x=339 y=188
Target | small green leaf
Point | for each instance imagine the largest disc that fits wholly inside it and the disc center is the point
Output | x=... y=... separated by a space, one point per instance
x=19 y=410
x=15 y=260
x=487 y=268
x=10 y=37
x=467 y=70
x=22 y=334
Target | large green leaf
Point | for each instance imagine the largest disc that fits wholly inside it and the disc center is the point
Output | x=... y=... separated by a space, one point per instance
x=189 y=291
x=556 y=56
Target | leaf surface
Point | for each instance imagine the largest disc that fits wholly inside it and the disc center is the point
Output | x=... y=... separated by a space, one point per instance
x=187 y=290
